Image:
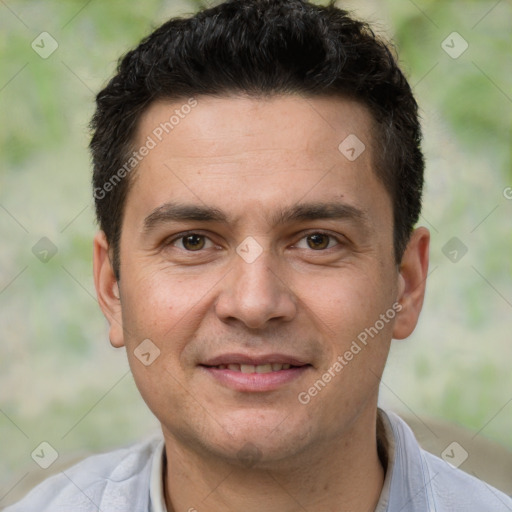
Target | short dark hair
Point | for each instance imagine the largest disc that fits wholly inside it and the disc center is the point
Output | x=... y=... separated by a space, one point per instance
x=261 y=48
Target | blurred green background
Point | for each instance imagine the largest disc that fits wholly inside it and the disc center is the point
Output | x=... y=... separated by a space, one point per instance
x=61 y=382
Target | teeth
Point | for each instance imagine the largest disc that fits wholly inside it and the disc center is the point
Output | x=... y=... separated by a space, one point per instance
x=247 y=368
x=264 y=368
x=251 y=368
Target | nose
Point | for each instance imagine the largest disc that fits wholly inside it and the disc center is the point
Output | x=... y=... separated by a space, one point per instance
x=254 y=294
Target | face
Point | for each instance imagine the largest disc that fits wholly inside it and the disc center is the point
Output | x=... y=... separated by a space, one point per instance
x=256 y=252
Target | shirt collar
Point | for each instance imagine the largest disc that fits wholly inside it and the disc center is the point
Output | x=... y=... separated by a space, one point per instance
x=156 y=485
x=404 y=484
x=407 y=485
x=387 y=444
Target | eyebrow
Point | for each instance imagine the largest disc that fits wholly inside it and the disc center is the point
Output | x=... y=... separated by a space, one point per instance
x=317 y=211
x=177 y=212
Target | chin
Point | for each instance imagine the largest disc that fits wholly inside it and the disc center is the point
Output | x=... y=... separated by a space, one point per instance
x=259 y=438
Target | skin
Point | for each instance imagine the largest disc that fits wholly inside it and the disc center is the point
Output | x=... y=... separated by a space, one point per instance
x=230 y=449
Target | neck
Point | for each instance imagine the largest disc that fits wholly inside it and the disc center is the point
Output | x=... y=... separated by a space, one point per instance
x=345 y=474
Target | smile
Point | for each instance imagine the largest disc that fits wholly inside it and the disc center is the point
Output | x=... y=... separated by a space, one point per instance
x=254 y=374
x=251 y=368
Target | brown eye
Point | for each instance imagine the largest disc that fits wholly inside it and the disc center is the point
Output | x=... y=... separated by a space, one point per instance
x=193 y=242
x=318 y=241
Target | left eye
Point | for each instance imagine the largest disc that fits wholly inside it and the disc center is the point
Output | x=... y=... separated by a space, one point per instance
x=192 y=242
x=318 y=241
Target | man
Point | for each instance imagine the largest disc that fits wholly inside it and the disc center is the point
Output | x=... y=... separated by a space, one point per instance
x=258 y=177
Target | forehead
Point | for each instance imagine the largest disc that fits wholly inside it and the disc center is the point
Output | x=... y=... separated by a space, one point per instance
x=284 y=123
x=238 y=152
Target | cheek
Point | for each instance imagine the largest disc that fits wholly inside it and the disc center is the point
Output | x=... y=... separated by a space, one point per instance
x=159 y=317
x=168 y=310
x=347 y=311
x=344 y=302
x=159 y=304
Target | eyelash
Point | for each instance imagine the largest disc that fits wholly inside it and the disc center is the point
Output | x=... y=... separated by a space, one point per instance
x=182 y=236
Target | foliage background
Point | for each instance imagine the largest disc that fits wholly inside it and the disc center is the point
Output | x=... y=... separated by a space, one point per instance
x=61 y=382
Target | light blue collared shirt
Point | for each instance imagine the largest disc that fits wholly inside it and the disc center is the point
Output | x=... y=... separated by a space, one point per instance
x=130 y=479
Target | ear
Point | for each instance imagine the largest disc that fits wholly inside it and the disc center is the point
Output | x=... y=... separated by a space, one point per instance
x=412 y=282
x=107 y=289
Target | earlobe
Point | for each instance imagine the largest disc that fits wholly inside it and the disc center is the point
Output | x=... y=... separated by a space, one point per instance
x=107 y=289
x=412 y=282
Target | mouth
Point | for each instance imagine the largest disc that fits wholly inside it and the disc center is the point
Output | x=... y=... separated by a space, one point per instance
x=255 y=374
x=251 y=368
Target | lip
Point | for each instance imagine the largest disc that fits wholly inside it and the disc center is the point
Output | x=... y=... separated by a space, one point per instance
x=233 y=358
x=254 y=382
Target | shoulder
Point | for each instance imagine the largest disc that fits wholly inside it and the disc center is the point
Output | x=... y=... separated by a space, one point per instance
x=438 y=485
x=111 y=482
x=456 y=490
